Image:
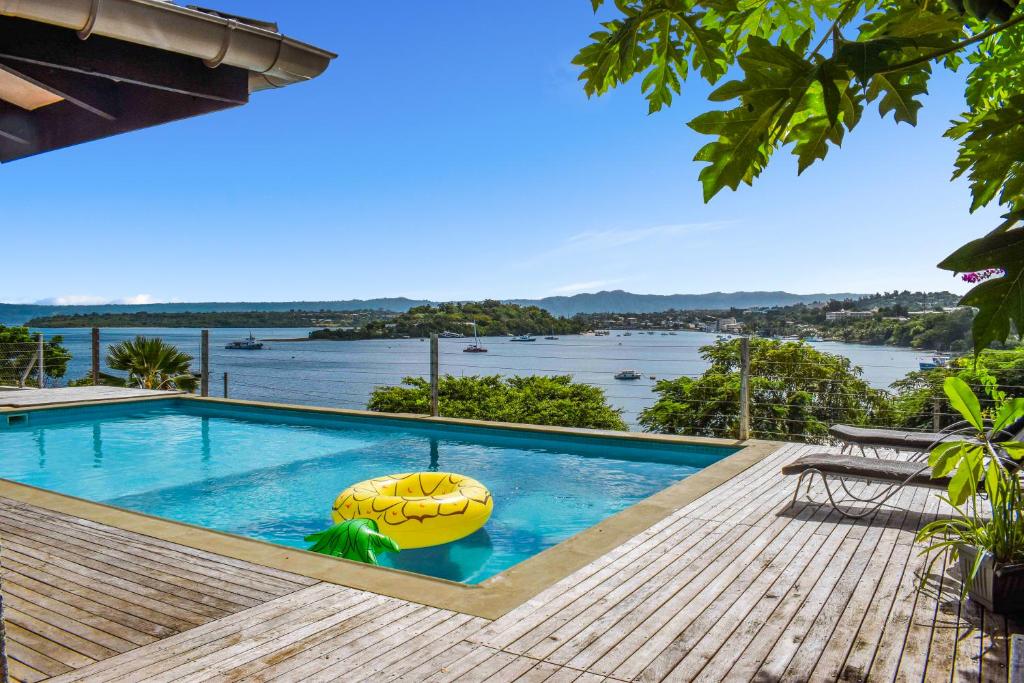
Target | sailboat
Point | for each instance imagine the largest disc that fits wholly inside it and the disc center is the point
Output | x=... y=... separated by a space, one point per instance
x=475 y=346
x=551 y=336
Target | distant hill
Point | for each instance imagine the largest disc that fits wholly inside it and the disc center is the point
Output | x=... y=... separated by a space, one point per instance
x=619 y=301
x=599 y=302
x=16 y=314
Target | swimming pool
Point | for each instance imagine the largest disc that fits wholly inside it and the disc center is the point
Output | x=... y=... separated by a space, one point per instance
x=272 y=474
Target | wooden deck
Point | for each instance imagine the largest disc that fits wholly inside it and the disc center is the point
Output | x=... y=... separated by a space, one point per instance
x=733 y=587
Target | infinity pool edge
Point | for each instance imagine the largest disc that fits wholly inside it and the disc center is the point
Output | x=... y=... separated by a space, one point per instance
x=490 y=599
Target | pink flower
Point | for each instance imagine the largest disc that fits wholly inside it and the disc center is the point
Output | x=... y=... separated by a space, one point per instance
x=982 y=275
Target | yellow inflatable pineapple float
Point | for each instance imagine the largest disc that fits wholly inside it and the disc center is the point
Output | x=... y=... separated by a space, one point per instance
x=418 y=509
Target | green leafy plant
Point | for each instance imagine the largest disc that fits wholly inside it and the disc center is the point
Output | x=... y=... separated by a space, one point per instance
x=980 y=463
x=796 y=393
x=804 y=73
x=152 y=363
x=533 y=399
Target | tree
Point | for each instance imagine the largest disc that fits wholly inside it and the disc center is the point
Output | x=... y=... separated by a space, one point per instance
x=992 y=374
x=152 y=364
x=796 y=392
x=534 y=399
x=18 y=349
x=806 y=70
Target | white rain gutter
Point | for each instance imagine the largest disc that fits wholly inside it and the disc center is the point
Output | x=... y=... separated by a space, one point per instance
x=272 y=59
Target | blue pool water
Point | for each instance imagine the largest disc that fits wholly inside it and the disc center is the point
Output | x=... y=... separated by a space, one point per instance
x=273 y=474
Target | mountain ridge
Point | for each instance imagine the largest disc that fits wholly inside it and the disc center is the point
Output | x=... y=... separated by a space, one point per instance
x=615 y=301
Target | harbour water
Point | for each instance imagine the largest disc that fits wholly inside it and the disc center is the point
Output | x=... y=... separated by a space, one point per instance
x=344 y=373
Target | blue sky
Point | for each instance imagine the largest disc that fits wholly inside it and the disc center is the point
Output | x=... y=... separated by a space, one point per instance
x=450 y=153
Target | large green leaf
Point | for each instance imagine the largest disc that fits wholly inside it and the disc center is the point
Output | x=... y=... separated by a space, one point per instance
x=992 y=152
x=964 y=401
x=1000 y=300
x=777 y=79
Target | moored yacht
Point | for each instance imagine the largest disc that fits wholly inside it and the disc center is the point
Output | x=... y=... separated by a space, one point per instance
x=247 y=344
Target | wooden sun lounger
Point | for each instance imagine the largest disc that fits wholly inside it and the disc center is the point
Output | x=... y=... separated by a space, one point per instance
x=893 y=475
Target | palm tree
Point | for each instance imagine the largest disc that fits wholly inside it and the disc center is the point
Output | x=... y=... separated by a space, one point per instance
x=152 y=364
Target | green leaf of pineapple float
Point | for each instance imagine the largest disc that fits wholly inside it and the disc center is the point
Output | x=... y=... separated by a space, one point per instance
x=353 y=539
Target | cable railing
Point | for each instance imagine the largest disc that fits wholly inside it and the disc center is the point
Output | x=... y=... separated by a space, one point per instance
x=777 y=399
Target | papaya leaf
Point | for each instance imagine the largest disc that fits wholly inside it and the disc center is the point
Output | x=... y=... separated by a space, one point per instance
x=776 y=81
x=964 y=401
x=898 y=91
x=991 y=152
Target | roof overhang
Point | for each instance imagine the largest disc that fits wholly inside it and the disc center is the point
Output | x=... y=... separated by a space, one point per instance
x=78 y=70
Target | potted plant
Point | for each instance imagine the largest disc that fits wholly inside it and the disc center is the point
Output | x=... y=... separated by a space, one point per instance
x=987 y=534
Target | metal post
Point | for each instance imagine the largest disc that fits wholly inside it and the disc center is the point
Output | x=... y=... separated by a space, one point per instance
x=936 y=414
x=744 y=430
x=204 y=378
x=42 y=364
x=435 y=361
x=225 y=385
x=95 y=355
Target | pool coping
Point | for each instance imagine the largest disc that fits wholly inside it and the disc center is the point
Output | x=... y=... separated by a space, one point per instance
x=489 y=599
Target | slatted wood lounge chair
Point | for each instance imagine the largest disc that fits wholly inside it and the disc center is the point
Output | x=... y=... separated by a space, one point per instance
x=892 y=475
x=916 y=442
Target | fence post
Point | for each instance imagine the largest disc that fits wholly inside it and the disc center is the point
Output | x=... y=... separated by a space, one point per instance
x=936 y=414
x=95 y=355
x=204 y=364
x=744 y=430
x=42 y=364
x=225 y=385
x=434 y=371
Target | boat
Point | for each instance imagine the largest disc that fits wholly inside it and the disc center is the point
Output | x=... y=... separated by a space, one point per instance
x=628 y=374
x=523 y=338
x=247 y=344
x=601 y=333
x=451 y=335
x=475 y=346
x=812 y=338
x=627 y=334
x=939 y=361
x=551 y=337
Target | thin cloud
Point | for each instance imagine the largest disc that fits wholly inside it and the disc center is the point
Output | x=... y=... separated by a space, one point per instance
x=611 y=239
x=88 y=300
x=577 y=287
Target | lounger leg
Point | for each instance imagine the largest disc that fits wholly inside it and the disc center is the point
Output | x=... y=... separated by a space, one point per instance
x=796 y=492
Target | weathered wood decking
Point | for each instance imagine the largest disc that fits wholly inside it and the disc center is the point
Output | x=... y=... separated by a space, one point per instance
x=732 y=587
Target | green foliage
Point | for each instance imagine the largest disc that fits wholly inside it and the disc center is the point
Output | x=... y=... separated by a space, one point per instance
x=794 y=91
x=18 y=348
x=353 y=539
x=914 y=395
x=939 y=331
x=534 y=399
x=492 y=318
x=152 y=363
x=980 y=463
x=796 y=393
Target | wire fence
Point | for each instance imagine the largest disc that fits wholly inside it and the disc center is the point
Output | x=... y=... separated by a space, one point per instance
x=23 y=364
x=791 y=400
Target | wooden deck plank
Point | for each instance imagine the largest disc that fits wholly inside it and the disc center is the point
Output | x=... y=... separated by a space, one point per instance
x=736 y=585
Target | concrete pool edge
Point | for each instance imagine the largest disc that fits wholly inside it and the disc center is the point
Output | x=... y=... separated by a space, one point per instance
x=491 y=599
